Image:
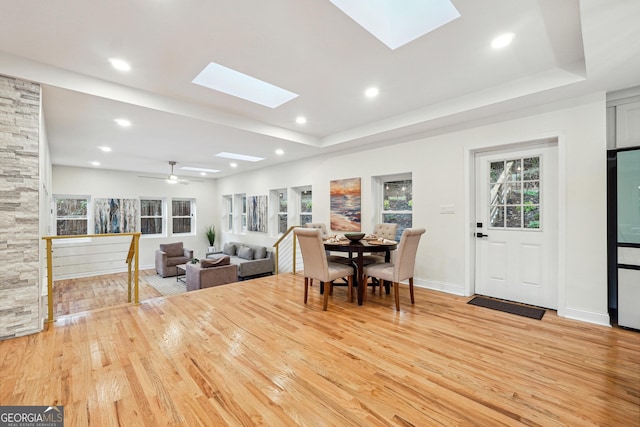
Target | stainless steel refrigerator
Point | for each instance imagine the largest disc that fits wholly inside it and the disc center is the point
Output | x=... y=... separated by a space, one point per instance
x=624 y=236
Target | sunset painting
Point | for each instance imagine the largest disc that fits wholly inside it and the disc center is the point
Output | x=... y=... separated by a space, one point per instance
x=345 y=204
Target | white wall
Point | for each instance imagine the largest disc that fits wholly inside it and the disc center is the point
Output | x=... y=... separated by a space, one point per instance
x=439 y=178
x=111 y=184
x=438 y=165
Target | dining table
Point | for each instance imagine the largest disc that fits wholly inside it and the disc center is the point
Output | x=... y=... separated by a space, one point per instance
x=356 y=251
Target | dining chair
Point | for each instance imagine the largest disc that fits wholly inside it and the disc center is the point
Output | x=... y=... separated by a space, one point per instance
x=331 y=258
x=383 y=230
x=318 y=225
x=402 y=268
x=317 y=267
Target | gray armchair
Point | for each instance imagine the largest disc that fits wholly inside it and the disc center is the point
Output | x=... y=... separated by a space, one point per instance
x=169 y=255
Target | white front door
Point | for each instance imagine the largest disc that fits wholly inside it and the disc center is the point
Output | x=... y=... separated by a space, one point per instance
x=517 y=225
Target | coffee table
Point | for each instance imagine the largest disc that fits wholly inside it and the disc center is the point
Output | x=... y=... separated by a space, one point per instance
x=181 y=272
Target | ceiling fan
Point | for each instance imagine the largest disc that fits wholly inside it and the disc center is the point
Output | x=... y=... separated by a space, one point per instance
x=172 y=178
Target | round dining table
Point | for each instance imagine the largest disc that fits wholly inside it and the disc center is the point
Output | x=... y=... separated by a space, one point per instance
x=356 y=251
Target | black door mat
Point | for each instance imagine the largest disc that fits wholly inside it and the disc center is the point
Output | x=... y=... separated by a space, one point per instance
x=507 y=307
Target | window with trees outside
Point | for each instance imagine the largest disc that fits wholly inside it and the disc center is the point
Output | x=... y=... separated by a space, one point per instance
x=72 y=215
x=228 y=203
x=306 y=207
x=283 y=220
x=397 y=203
x=240 y=213
x=151 y=217
x=182 y=215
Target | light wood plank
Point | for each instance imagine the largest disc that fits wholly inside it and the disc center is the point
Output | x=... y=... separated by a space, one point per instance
x=252 y=353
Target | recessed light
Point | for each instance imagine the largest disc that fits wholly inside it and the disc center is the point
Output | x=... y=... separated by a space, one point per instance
x=105 y=149
x=120 y=64
x=372 y=92
x=279 y=152
x=123 y=122
x=95 y=163
x=234 y=83
x=235 y=156
x=301 y=120
x=502 y=40
x=233 y=165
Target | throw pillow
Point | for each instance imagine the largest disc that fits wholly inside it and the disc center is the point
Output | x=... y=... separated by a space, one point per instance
x=260 y=253
x=172 y=249
x=245 y=252
x=215 y=262
x=229 y=249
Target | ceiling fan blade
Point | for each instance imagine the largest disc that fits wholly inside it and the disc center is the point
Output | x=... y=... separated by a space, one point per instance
x=152 y=177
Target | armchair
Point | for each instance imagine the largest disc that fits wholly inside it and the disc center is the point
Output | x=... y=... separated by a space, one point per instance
x=169 y=255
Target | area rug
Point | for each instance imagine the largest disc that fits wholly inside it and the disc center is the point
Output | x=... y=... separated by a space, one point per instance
x=166 y=285
x=507 y=307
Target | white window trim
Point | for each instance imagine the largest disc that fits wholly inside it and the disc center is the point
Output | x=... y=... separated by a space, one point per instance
x=54 y=212
x=164 y=233
x=192 y=232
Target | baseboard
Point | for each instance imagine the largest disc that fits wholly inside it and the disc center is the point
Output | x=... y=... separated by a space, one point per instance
x=585 y=316
x=450 y=288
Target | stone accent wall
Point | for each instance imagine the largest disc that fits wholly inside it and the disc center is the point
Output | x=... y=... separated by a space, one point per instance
x=19 y=206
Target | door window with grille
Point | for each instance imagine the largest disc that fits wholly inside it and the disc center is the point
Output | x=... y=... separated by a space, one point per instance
x=514 y=194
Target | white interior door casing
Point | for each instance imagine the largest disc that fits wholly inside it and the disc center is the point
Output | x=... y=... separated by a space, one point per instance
x=516 y=212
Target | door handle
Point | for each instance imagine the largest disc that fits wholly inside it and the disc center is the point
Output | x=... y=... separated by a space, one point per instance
x=481 y=235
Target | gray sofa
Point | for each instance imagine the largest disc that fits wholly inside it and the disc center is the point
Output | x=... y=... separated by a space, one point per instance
x=252 y=260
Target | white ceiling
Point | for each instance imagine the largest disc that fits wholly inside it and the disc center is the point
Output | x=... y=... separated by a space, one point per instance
x=440 y=81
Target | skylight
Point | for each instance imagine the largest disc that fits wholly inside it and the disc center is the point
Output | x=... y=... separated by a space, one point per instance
x=397 y=22
x=234 y=83
x=235 y=156
x=191 y=168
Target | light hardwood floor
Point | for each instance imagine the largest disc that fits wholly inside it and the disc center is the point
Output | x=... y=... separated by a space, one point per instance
x=252 y=353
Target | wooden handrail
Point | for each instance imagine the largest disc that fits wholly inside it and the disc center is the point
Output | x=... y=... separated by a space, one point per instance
x=133 y=255
x=277 y=246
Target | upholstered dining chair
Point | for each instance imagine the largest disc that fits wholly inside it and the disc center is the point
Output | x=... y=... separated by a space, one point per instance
x=317 y=267
x=318 y=225
x=323 y=228
x=402 y=268
x=383 y=230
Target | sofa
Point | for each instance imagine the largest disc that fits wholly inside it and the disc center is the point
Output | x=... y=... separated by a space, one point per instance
x=169 y=255
x=252 y=260
x=209 y=273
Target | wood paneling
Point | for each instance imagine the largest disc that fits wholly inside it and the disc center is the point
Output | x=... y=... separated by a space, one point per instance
x=252 y=353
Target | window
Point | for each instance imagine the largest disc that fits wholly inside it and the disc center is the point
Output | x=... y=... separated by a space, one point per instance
x=228 y=203
x=151 y=216
x=514 y=188
x=397 y=203
x=72 y=215
x=306 y=206
x=182 y=213
x=243 y=215
x=240 y=210
x=280 y=197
